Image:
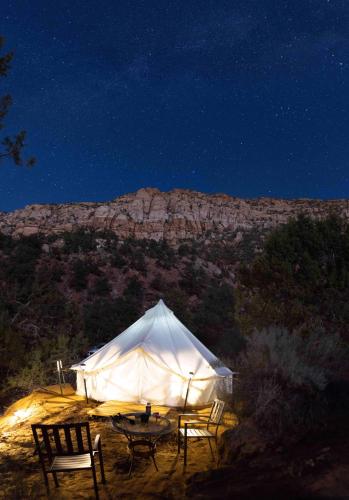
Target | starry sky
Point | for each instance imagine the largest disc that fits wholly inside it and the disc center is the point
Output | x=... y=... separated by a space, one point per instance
x=249 y=97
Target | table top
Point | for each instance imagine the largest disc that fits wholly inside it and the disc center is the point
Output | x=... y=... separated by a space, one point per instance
x=156 y=426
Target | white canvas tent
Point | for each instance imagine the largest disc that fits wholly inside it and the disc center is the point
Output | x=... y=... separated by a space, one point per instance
x=151 y=361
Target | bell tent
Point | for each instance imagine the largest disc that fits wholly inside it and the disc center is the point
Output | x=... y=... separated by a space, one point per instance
x=153 y=360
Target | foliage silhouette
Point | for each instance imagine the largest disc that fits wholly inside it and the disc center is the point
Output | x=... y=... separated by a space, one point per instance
x=12 y=145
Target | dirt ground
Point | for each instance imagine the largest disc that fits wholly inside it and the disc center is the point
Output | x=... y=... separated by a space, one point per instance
x=20 y=472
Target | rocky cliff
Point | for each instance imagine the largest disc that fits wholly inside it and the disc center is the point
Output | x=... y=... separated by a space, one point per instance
x=175 y=215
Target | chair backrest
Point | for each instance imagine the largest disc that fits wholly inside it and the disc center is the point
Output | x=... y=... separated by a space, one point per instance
x=216 y=411
x=62 y=439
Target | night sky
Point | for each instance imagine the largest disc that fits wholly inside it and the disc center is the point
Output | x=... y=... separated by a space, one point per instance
x=244 y=97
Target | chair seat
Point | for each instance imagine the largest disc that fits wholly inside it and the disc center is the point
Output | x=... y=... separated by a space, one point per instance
x=62 y=462
x=197 y=433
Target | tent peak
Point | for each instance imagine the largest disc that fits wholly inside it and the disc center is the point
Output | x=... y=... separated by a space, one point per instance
x=159 y=307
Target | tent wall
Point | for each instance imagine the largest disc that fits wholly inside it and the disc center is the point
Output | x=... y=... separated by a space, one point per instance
x=138 y=379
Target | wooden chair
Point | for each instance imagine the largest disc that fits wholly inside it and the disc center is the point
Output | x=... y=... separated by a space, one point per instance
x=67 y=447
x=194 y=428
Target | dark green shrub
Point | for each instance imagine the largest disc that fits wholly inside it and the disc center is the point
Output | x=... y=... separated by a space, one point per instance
x=134 y=291
x=177 y=300
x=50 y=272
x=193 y=280
x=102 y=287
x=104 y=319
x=214 y=316
x=12 y=351
x=21 y=264
x=31 y=375
x=81 y=240
x=183 y=250
x=301 y=276
x=138 y=262
x=283 y=378
x=6 y=243
x=80 y=272
x=158 y=283
x=117 y=260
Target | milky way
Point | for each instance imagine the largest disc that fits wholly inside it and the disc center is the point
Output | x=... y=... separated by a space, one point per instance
x=246 y=97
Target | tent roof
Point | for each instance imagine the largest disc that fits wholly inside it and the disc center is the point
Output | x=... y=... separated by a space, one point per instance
x=166 y=340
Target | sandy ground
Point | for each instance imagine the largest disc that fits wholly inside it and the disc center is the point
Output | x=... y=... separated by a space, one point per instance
x=20 y=471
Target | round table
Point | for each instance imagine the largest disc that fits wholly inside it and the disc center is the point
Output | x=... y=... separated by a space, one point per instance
x=156 y=427
x=142 y=437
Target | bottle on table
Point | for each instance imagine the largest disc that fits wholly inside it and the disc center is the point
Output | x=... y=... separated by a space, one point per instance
x=148 y=409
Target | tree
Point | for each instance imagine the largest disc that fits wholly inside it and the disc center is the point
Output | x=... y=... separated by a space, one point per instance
x=300 y=278
x=284 y=380
x=12 y=146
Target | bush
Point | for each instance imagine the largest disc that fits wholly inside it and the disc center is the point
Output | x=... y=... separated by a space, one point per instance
x=21 y=265
x=183 y=250
x=138 y=262
x=193 y=280
x=102 y=287
x=80 y=271
x=117 y=260
x=12 y=351
x=50 y=272
x=214 y=317
x=158 y=283
x=282 y=380
x=31 y=375
x=40 y=367
x=6 y=243
x=134 y=291
x=162 y=252
x=104 y=319
x=81 y=240
x=301 y=274
x=177 y=300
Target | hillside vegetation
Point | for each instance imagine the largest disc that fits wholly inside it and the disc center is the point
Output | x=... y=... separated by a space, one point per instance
x=274 y=307
x=62 y=294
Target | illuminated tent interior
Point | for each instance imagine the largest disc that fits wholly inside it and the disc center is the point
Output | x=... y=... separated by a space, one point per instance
x=151 y=361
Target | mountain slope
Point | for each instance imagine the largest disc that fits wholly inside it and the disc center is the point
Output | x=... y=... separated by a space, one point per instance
x=174 y=216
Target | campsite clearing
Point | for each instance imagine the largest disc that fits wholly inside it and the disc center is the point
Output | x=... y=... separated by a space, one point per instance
x=20 y=469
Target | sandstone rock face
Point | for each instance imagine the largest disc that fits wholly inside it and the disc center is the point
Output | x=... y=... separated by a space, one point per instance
x=174 y=216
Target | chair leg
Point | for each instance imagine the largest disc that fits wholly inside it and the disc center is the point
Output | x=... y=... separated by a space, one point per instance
x=185 y=450
x=179 y=442
x=46 y=482
x=95 y=482
x=131 y=465
x=101 y=463
x=154 y=462
x=209 y=442
x=55 y=479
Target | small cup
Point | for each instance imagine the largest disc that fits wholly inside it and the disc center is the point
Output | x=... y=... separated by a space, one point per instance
x=144 y=418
